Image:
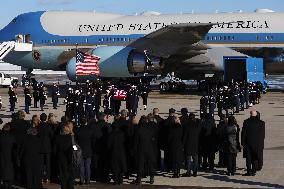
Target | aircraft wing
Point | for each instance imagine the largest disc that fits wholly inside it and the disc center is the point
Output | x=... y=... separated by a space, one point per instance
x=177 y=38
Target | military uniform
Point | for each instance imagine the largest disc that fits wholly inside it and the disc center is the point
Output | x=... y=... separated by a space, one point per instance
x=144 y=94
x=220 y=102
x=204 y=103
x=70 y=104
x=89 y=105
x=35 y=95
x=132 y=101
x=28 y=100
x=212 y=105
x=12 y=99
x=55 y=95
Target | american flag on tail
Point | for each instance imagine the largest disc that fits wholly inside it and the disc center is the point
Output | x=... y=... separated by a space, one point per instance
x=87 y=64
x=119 y=94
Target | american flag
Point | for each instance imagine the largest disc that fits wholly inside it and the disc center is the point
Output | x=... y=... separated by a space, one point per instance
x=87 y=64
x=119 y=94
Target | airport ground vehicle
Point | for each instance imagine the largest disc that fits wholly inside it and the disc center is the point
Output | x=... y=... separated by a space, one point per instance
x=244 y=69
x=6 y=80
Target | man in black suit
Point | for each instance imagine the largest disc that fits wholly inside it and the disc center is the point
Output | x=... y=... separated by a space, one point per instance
x=84 y=137
x=253 y=133
x=46 y=136
x=191 y=134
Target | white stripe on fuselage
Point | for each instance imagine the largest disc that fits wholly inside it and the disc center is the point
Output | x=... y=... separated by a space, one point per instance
x=88 y=23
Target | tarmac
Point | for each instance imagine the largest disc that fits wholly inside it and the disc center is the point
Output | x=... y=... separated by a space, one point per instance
x=272 y=112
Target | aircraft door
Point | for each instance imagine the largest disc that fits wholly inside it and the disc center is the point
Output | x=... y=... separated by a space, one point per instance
x=27 y=38
x=19 y=38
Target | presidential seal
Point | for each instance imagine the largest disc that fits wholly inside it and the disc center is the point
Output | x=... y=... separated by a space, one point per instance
x=36 y=55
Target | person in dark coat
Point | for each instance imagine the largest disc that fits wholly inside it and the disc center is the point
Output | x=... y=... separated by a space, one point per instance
x=117 y=152
x=32 y=159
x=253 y=133
x=232 y=144
x=160 y=163
x=260 y=160
x=144 y=147
x=221 y=136
x=175 y=147
x=19 y=127
x=184 y=117
x=7 y=147
x=208 y=142
x=12 y=99
x=191 y=134
x=46 y=136
x=163 y=137
x=63 y=149
x=84 y=137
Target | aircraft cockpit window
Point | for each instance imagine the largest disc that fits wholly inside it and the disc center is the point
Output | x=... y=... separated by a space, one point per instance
x=14 y=20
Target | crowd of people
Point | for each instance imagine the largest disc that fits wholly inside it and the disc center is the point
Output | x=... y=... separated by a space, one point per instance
x=86 y=146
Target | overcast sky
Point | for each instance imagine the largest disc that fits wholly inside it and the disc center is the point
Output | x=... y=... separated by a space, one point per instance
x=11 y=8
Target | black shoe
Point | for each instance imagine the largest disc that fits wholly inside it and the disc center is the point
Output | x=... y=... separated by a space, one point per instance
x=195 y=174
x=151 y=180
x=228 y=174
x=248 y=174
x=187 y=174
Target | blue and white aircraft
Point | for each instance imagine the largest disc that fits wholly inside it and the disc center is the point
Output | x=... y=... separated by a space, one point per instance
x=188 y=44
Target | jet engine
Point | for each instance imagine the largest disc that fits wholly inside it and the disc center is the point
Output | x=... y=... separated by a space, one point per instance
x=118 y=62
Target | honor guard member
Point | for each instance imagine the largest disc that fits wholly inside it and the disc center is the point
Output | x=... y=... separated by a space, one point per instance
x=79 y=106
x=226 y=105
x=133 y=99
x=242 y=98
x=212 y=104
x=12 y=98
x=246 y=95
x=98 y=100
x=70 y=103
x=42 y=96
x=253 y=94
x=28 y=100
x=89 y=86
x=204 y=103
x=107 y=103
x=89 y=105
x=116 y=97
x=236 y=98
x=55 y=95
x=220 y=101
x=144 y=89
x=36 y=95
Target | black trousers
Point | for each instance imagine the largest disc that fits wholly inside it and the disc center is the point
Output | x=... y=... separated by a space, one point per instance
x=231 y=162
x=208 y=161
x=45 y=166
x=251 y=159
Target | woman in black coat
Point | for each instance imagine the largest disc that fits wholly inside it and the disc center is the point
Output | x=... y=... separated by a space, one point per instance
x=63 y=149
x=7 y=147
x=116 y=147
x=232 y=144
x=175 y=147
x=32 y=159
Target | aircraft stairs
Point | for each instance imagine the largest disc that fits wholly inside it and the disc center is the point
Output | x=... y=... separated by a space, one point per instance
x=5 y=48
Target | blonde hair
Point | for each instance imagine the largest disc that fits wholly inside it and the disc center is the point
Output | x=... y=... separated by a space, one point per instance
x=35 y=121
x=21 y=114
x=68 y=128
x=52 y=119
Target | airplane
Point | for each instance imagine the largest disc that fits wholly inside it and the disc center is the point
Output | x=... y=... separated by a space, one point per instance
x=190 y=45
